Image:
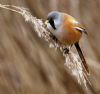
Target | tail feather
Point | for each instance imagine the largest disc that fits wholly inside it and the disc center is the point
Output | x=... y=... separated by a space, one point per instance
x=85 y=66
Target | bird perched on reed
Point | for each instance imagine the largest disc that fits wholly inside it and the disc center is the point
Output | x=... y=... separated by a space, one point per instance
x=67 y=30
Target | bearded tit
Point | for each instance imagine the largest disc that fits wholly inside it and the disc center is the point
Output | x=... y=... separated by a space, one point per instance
x=67 y=30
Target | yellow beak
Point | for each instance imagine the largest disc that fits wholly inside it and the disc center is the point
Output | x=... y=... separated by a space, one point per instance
x=46 y=22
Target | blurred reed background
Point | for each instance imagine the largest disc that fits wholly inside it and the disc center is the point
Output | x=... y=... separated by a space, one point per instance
x=28 y=65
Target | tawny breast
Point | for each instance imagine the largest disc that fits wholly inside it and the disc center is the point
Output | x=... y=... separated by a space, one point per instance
x=69 y=34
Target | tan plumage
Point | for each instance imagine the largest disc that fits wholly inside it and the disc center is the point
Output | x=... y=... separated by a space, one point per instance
x=70 y=34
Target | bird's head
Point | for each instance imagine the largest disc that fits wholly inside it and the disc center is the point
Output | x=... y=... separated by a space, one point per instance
x=53 y=20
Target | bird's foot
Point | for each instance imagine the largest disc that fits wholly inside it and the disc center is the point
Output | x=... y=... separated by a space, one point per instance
x=66 y=51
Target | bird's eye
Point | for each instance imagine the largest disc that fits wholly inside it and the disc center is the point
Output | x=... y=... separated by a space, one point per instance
x=51 y=21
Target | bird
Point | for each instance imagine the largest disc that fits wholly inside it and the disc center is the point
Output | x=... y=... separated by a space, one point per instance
x=67 y=30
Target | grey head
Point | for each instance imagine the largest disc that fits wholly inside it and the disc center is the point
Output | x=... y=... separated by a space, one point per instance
x=54 y=19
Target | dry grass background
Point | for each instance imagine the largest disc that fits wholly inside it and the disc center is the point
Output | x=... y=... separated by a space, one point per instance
x=28 y=65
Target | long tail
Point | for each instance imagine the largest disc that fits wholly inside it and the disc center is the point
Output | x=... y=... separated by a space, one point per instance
x=85 y=66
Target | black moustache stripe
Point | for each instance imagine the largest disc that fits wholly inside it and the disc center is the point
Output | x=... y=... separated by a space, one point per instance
x=51 y=21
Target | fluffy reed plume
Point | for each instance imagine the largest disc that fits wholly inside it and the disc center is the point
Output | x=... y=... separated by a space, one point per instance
x=72 y=61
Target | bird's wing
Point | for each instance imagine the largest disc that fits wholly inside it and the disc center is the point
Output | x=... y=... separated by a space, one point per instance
x=80 y=28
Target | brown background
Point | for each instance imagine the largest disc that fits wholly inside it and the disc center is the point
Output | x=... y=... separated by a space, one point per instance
x=28 y=65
